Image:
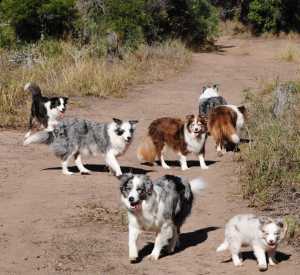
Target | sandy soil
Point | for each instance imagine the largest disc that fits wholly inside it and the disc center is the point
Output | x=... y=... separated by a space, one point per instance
x=55 y=224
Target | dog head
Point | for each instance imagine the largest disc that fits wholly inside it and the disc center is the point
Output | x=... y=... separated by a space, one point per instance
x=134 y=190
x=243 y=110
x=273 y=231
x=196 y=125
x=57 y=106
x=210 y=91
x=125 y=129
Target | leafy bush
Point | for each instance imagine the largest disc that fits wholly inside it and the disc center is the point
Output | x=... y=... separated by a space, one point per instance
x=7 y=36
x=32 y=18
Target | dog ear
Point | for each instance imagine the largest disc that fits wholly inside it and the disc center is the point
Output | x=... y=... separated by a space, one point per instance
x=263 y=220
x=242 y=109
x=133 y=122
x=203 y=89
x=148 y=185
x=118 y=121
x=283 y=226
x=216 y=87
x=124 y=179
x=66 y=99
x=189 y=117
x=203 y=119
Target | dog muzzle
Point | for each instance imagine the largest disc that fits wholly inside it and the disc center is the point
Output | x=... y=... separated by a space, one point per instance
x=136 y=206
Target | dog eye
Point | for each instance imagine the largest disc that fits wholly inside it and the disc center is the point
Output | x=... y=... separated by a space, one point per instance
x=139 y=190
x=120 y=132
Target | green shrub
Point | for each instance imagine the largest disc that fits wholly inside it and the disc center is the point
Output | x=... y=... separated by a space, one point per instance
x=32 y=18
x=7 y=36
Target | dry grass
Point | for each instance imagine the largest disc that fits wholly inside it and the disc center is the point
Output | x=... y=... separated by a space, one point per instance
x=270 y=170
x=234 y=28
x=62 y=68
x=291 y=53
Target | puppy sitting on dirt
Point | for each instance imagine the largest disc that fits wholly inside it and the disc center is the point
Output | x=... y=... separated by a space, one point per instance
x=161 y=206
x=263 y=234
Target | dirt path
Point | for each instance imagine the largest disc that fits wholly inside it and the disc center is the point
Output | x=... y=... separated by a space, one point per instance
x=54 y=224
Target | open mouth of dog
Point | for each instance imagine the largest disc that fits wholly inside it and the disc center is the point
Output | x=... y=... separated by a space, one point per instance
x=271 y=245
x=136 y=205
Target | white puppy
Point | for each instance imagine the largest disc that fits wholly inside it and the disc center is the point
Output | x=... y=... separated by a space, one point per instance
x=263 y=234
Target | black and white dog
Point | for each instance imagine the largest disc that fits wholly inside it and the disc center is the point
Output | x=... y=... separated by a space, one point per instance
x=209 y=99
x=73 y=137
x=161 y=206
x=45 y=111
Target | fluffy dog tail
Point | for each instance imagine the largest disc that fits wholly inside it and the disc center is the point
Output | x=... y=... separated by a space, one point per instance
x=42 y=137
x=34 y=89
x=224 y=130
x=222 y=246
x=197 y=185
x=147 y=150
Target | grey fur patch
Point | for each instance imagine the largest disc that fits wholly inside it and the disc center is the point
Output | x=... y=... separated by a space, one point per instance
x=80 y=135
x=207 y=104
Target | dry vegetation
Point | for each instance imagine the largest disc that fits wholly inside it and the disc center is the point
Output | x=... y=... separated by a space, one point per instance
x=64 y=69
x=291 y=53
x=270 y=170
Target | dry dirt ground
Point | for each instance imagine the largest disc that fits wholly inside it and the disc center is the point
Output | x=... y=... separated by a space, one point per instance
x=56 y=224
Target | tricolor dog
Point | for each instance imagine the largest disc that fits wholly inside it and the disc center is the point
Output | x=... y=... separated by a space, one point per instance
x=45 y=111
x=224 y=125
x=182 y=136
x=209 y=99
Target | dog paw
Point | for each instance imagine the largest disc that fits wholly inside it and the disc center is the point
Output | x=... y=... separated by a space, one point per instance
x=152 y=257
x=68 y=173
x=273 y=262
x=238 y=263
x=204 y=167
x=85 y=172
x=185 y=168
x=262 y=267
x=133 y=260
x=166 y=167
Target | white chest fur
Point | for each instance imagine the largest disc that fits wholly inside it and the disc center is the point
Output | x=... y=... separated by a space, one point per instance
x=194 y=144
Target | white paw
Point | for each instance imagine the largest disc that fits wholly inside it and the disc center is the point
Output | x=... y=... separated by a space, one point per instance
x=152 y=257
x=133 y=259
x=262 y=267
x=85 y=171
x=238 y=263
x=165 y=166
x=272 y=262
x=204 y=167
x=185 y=168
x=67 y=173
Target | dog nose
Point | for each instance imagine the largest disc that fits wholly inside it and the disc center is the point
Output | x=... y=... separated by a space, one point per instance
x=128 y=138
x=131 y=199
x=271 y=242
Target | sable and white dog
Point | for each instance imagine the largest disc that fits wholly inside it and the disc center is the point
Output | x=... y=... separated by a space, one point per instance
x=209 y=99
x=182 y=137
x=224 y=125
x=263 y=234
x=45 y=111
x=161 y=206
x=73 y=137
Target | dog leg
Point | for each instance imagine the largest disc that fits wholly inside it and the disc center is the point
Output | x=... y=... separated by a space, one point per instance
x=174 y=241
x=261 y=257
x=27 y=134
x=235 y=250
x=219 y=150
x=202 y=161
x=183 y=162
x=163 y=163
x=64 y=165
x=80 y=166
x=113 y=163
x=271 y=255
x=133 y=236
x=165 y=234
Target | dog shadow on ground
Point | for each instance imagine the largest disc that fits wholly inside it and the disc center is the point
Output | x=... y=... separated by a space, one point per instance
x=176 y=163
x=186 y=240
x=249 y=255
x=103 y=169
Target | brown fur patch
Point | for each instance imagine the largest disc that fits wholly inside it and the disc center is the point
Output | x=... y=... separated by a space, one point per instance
x=222 y=124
